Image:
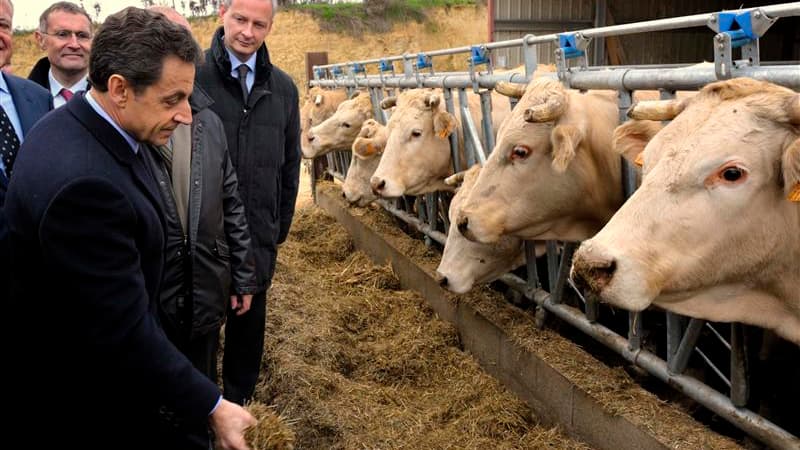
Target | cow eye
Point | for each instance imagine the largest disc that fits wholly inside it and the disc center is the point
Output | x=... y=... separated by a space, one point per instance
x=732 y=174
x=345 y=124
x=729 y=174
x=520 y=152
x=416 y=133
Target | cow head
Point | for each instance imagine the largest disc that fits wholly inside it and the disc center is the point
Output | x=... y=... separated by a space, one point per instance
x=417 y=155
x=465 y=263
x=713 y=230
x=552 y=174
x=339 y=131
x=367 y=150
x=319 y=104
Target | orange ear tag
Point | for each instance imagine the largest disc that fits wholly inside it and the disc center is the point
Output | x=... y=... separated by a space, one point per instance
x=639 y=161
x=370 y=149
x=794 y=195
x=444 y=133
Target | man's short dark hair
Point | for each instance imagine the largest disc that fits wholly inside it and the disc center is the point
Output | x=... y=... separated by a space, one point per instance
x=133 y=43
x=67 y=7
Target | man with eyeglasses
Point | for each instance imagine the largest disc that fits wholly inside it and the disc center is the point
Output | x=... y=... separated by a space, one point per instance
x=65 y=33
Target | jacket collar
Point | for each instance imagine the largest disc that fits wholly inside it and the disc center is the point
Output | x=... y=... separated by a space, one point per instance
x=223 y=62
x=199 y=100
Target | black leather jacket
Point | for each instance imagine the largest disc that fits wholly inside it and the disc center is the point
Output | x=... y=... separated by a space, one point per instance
x=264 y=143
x=217 y=249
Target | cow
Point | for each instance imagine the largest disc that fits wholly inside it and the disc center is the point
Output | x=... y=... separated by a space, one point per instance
x=712 y=232
x=319 y=105
x=417 y=157
x=553 y=173
x=367 y=149
x=339 y=131
x=465 y=263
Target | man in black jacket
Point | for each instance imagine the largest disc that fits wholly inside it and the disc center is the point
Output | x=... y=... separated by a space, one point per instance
x=258 y=105
x=86 y=233
x=207 y=240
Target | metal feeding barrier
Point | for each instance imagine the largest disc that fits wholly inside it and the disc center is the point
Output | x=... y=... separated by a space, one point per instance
x=738 y=30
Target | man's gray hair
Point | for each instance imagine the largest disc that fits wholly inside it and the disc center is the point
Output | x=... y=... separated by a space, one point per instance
x=227 y=4
x=67 y=7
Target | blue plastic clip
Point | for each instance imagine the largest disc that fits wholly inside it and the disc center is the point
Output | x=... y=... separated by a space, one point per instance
x=358 y=68
x=423 y=61
x=385 y=66
x=320 y=73
x=336 y=71
x=478 y=55
x=738 y=26
x=568 y=44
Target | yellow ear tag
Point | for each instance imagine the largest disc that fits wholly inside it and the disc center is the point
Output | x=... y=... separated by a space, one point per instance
x=794 y=195
x=639 y=161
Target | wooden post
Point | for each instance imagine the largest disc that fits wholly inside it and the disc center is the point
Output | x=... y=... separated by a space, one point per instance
x=319 y=166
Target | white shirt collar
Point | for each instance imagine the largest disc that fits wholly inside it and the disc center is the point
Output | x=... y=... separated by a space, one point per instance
x=99 y=110
x=236 y=62
x=55 y=86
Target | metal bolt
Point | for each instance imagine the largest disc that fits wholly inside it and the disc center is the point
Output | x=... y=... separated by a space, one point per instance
x=713 y=19
x=720 y=37
x=757 y=14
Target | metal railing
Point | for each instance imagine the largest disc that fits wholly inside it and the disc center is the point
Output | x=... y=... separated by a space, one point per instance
x=681 y=340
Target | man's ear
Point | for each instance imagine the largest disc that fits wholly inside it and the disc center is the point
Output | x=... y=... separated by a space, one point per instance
x=39 y=39
x=565 y=140
x=118 y=90
x=791 y=171
x=632 y=137
x=443 y=124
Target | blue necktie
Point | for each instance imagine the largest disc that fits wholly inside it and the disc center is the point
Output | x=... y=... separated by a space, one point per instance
x=243 y=70
x=9 y=142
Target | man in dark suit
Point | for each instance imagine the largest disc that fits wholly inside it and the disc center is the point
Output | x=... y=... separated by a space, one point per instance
x=87 y=241
x=23 y=103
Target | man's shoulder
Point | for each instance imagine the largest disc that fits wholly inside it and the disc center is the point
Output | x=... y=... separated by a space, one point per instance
x=27 y=86
x=282 y=81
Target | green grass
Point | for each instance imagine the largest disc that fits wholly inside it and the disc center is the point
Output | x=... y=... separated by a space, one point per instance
x=376 y=15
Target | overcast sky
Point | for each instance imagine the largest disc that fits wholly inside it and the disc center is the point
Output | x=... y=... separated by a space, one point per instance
x=26 y=12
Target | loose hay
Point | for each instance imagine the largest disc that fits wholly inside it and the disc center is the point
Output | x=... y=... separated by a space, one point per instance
x=611 y=387
x=356 y=362
x=271 y=432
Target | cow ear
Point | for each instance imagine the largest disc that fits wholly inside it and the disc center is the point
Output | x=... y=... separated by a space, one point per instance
x=791 y=171
x=632 y=137
x=565 y=140
x=443 y=124
x=364 y=148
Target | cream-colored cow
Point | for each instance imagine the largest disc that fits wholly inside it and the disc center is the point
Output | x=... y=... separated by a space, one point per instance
x=367 y=149
x=552 y=173
x=319 y=104
x=417 y=157
x=339 y=131
x=465 y=263
x=714 y=230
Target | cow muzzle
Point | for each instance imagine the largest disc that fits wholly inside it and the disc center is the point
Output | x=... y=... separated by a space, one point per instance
x=592 y=268
x=440 y=279
x=378 y=185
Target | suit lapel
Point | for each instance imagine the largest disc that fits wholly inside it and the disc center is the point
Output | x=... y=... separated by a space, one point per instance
x=119 y=148
x=22 y=102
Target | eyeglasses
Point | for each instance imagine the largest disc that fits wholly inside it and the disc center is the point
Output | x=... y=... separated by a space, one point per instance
x=65 y=35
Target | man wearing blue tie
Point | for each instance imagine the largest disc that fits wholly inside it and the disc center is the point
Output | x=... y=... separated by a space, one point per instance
x=22 y=104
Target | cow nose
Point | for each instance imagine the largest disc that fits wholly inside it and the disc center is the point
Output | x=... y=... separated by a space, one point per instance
x=593 y=269
x=344 y=195
x=378 y=185
x=310 y=137
x=463 y=224
x=441 y=279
